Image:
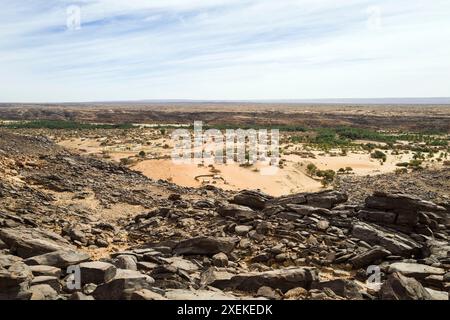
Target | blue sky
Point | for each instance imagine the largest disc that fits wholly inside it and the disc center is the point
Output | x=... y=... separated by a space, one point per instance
x=223 y=49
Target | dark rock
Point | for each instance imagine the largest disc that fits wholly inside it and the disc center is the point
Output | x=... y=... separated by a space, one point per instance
x=342 y=287
x=399 y=287
x=122 y=286
x=326 y=199
x=96 y=272
x=415 y=270
x=60 y=259
x=43 y=292
x=368 y=257
x=253 y=199
x=220 y=260
x=29 y=242
x=395 y=242
x=80 y=296
x=236 y=211
x=399 y=202
x=383 y=217
x=39 y=270
x=145 y=294
x=126 y=261
x=205 y=246
x=15 y=281
x=282 y=279
x=7 y=260
x=53 y=282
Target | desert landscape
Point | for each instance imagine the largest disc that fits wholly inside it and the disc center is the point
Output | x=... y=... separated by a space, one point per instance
x=362 y=192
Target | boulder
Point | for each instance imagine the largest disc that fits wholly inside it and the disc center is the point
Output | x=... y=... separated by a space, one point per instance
x=6 y=260
x=415 y=270
x=306 y=210
x=15 y=281
x=126 y=261
x=236 y=211
x=80 y=296
x=399 y=202
x=342 y=287
x=145 y=294
x=399 y=287
x=184 y=294
x=382 y=217
x=122 y=286
x=205 y=246
x=368 y=257
x=395 y=242
x=29 y=242
x=53 y=282
x=59 y=259
x=438 y=295
x=43 y=292
x=253 y=199
x=220 y=260
x=326 y=199
x=96 y=272
x=39 y=270
x=282 y=279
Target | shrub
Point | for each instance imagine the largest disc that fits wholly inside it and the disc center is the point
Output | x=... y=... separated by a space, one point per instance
x=377 y=154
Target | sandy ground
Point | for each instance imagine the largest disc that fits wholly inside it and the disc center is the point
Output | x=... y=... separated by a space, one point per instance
x=291 y=178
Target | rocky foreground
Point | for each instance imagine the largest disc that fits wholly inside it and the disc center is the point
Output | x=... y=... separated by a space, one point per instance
x=74 y=227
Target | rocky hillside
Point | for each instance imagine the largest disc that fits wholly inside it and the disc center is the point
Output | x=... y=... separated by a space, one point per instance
x=75 y=227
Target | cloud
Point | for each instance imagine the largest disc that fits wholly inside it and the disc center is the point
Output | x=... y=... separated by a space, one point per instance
x=224 y=49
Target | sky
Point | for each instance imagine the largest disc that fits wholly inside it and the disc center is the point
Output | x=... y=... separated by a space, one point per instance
x=109 y=50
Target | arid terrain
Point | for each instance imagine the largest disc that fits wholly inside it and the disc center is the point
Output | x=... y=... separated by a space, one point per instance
x=358 y=209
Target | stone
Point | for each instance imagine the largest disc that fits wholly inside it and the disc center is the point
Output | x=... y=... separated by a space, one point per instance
x=96 y=272
x=220 y=260
x=437 y=295
x=184 y=294
x=399 y=202
x=269 y=293
x=43 y=292
x=369 y=257
x=7 y=260
x=80 y=296
x=126 y=261
x=15 y=281
x=145 y=294
x=146 y=266
x=205 y=246
x=399 y=287
x=382 y=217
x=323 y=225
x=39 y=270
x=253 y=199
x=395 y=242
x=326 y=199
x=282 y=279
x=29 y=242
x=415 y=270
x=59 y=259
x=236 y=211
x=242 y=230
x=181 y=264
x=342 y=287
x=296 y=294
x=307 y=210
x=122 y=286
x=53 y=282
